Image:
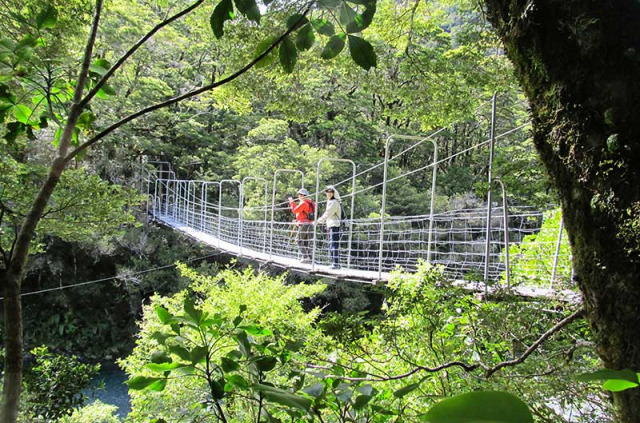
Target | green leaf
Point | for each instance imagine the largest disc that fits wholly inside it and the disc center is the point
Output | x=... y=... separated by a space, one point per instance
x=346 y=14
x=141 y=382
x=266 y=363
x=238 y=381
x=362 y=52
x=323 y=27
x=161 y=337
x=606 y=374
x=305 y=38
x=366 y=390
x=162 y=367
x=283 y=397
x=333 y=47
x=191 y=311
x=249 y=9
x=223 y=12
x=237 y=320
x=361 y=401
x=163 y=314
x=288 y=55
x=298 y=20
x=198 y=354
x=243 y=343
x=100 y=67
x=158 y=385
x=234 y=355
x=314 y=390
x=405 y=390
x=362 y=21
x=85 y=120
x=269 y=58
x=47 y=18
x=160 y=357
x=23 y=114
x=329 y=4
x=255 y=330
x=617 y=385
x=481 y=407
x=105 y=91
x=229 y=365
x=217 y=388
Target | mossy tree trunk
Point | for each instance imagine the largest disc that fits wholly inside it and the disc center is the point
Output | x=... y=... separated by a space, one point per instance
x=579 y=64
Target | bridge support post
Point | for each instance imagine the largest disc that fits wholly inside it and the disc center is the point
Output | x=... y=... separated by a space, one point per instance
x=387 y=146
x=488 y=232
x=241 y=207
x=231 y=181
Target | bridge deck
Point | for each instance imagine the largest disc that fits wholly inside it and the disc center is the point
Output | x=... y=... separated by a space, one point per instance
x=362 y=276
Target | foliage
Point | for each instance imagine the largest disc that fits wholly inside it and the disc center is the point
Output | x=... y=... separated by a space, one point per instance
x=96 y=412
x=268 y=301
x=427 y=323
x=54 y=384
x=84 y=207
x=532 y=260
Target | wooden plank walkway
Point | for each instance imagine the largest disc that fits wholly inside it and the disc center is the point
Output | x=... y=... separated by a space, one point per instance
x=354 y=275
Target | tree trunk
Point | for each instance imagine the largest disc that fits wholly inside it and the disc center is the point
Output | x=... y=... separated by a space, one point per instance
x=579 y=64
x=13 y=346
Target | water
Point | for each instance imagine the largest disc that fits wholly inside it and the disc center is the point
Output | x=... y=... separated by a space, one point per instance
x=115 y=392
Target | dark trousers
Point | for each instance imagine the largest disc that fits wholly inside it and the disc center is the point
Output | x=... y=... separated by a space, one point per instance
x=305 y=237
x=333 y=235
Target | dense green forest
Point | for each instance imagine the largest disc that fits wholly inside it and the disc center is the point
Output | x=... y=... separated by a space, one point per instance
x=92 y=92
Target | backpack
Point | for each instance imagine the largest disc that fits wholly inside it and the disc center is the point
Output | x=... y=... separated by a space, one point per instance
x=312 y=214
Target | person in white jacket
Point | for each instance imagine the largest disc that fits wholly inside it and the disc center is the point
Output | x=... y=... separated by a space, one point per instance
x=332 y=218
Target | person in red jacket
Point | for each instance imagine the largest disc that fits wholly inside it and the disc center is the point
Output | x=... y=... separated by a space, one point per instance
x=304 y=211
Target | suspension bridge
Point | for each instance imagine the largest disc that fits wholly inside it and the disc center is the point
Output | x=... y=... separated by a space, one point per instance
x=471 y=244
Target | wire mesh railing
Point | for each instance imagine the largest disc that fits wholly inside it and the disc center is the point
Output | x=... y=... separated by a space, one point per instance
x=454 y=239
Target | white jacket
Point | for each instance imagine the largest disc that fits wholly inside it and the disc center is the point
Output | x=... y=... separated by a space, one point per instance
x=333 y=213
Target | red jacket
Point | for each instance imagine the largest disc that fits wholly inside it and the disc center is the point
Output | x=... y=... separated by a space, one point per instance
x=302 y=210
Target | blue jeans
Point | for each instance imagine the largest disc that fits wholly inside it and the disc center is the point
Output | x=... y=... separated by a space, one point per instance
x=333 y=235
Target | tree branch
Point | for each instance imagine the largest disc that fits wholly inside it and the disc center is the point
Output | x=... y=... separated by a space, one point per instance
x=536 y=344
x=489 y=371
x=185 y=96
x=134 y=48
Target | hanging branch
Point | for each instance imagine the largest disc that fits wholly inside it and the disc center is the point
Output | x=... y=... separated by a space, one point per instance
x=134 y=48
x=488 y=371
x=190 y=94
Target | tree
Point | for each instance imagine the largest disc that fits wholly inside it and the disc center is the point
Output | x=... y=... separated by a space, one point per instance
x=66 y=104
x=578 y=63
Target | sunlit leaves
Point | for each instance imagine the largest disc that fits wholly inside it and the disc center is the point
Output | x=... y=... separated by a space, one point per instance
x=333 y=47
x=223 y=12
x=362 y=52
x=288 y=55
